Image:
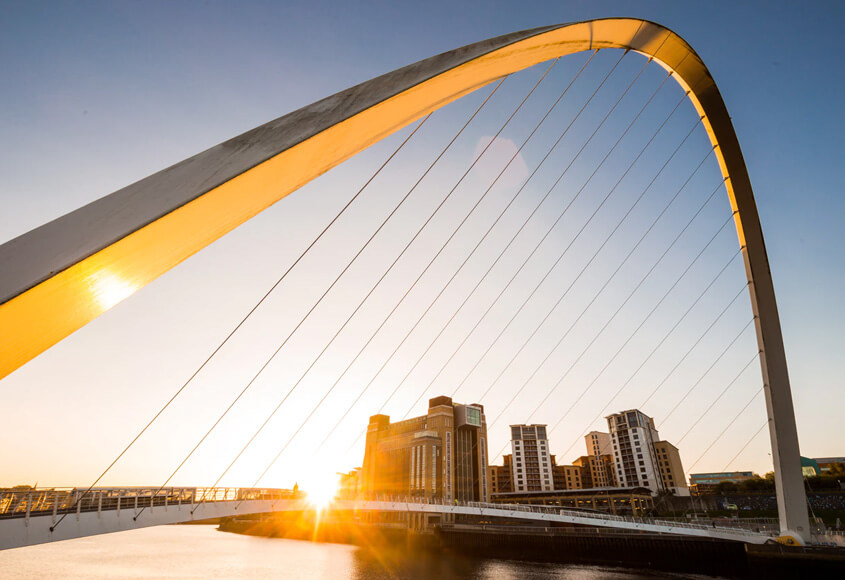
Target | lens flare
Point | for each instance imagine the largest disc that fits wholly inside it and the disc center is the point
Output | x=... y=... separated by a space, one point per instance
x=320 y=489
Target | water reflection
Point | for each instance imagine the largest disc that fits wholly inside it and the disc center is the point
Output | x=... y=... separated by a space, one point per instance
x=203 y=552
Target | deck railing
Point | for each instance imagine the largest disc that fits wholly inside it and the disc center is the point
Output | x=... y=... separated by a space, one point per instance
x=16 y=503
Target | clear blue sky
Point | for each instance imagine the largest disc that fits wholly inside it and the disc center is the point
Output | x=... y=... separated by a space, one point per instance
x=96 y=95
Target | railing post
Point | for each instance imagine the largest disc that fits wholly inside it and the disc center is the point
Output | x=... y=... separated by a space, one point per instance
x=28 y=505
x=55 y=506
x=99 y=504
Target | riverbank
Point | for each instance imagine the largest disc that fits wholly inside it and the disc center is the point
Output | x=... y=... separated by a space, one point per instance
x=562 y=545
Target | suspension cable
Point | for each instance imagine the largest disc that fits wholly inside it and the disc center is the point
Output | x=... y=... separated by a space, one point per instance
x=621 y=306
x=677 y=193
x=577 y=235
x=334 y=282
x=724 y=430
x=247 y=315
x=675 y=326
x=613 y=316
x=660 y=343
x=593 y=258
x=337 y=333
x=711 y=367
x=640 y=326
x=722 y=394
x=537 y=246
x=554 y=185
x=489 y=269
x=689 y=351
x=752 y=438
x=433 y=259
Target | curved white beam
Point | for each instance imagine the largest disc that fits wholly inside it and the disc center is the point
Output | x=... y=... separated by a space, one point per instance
x=19 y=532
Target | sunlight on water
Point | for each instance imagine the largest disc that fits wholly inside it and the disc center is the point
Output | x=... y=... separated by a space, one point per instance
x=203 y=552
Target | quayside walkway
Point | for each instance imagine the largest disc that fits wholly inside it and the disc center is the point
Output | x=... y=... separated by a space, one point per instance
x=36 y=516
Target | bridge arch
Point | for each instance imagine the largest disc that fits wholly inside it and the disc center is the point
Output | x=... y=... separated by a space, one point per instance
x=60 y=276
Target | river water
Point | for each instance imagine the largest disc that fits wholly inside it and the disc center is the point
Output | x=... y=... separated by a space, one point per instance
x=204 y=552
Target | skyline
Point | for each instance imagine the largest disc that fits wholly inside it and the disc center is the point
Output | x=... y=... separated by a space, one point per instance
x=222 y=280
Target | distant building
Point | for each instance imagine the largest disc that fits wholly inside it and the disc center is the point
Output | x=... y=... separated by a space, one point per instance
x=671 y=469
x=442 y=454
x=532 y=463
x=827 y=463
x=349 y=484
x=707 y=482
x=568 y=477
x=596 y=471
x=640 y=458
x=501 y=476
x=584 y=464
x=599 y=447
x=612 y=500
x=598 y=443
x=810 y=467
x=632 y=436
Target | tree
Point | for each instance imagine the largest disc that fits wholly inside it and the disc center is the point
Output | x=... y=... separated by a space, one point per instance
x=724 y=487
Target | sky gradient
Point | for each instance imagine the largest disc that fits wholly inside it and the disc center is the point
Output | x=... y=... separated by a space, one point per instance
x=99 y=95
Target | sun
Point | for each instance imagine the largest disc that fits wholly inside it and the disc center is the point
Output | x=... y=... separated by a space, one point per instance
x=320 y=489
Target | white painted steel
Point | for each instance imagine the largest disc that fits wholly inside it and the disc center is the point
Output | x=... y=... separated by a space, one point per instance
x=29 y=530
x=26 y=531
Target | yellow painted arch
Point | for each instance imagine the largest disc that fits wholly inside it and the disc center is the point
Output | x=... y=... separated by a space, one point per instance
x=59 y=302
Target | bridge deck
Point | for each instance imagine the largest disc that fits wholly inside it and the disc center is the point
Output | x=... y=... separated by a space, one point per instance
x=30 y=517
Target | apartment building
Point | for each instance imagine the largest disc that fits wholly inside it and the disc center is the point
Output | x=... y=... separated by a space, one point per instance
x=532 y=463
x=501 y=476
x=633 y=437
x=671 y=468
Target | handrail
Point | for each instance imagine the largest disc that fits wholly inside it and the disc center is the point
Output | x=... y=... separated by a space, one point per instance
x=60 y=500
x=32 y=502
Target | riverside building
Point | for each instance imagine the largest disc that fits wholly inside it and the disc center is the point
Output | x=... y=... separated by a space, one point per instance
x=501 y=476
x=600 y=459
x=441 y=455
x=671 y=469
x=532 y=462
x=707 y=482
x=640 y=458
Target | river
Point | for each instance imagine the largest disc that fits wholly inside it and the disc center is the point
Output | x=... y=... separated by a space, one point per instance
x=203 y=552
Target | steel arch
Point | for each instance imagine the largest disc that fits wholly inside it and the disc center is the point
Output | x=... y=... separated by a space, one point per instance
x=58 y=277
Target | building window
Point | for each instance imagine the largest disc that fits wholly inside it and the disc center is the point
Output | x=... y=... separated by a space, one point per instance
x=474 y=416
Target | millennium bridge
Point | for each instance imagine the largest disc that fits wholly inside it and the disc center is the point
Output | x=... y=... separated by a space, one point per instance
x=60 y=276
x=31 y=516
